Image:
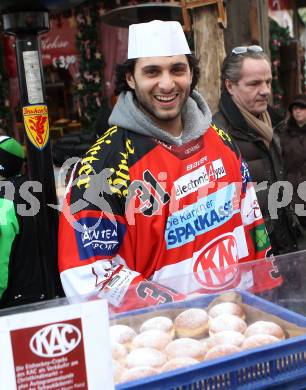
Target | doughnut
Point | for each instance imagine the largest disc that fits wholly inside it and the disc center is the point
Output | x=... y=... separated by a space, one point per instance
x=221 y=350
x=258 y=340
x=119 y=351
x=179 y=362
x=117 y=371
x=122 y=334
x=205 y=344
x=191 y=323
x=161 y=323
x=135 y=373
x=153 y=338
x=266 y=327
x=226 y=337
x=226 y=308
x=185 y=347
x=226 y=322
x=148 y=357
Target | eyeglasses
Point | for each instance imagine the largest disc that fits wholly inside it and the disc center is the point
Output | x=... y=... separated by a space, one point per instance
x=243 y=49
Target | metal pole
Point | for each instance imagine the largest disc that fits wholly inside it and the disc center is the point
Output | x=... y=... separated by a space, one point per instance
x=26 y=26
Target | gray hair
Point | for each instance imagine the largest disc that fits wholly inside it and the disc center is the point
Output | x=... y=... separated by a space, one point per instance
x=232 y=64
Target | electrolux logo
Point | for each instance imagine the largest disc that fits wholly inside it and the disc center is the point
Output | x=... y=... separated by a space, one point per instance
x=194 y=180
x=55 y=340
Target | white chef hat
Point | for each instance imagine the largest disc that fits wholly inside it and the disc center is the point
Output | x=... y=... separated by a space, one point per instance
x=157 y=38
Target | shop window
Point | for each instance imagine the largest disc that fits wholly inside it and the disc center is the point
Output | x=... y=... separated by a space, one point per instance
x=59 y=94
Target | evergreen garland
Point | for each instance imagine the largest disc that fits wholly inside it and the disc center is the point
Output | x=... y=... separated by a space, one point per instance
x=278 y=36
x=90 y=80
x=5 y=111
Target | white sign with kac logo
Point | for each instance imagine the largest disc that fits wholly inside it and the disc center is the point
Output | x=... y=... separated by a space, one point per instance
x=65 y=347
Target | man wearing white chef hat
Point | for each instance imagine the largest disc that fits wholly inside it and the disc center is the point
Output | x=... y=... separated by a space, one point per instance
x=177 y=199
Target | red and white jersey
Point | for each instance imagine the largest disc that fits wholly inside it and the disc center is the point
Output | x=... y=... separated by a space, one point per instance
x=139 y=209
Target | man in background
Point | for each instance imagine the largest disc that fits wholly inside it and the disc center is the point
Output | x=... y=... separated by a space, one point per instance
x=245 y=114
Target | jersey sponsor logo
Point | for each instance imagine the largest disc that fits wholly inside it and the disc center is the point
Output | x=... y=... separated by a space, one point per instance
x=36 y=123
x=192 y=149
x=98 y=237
x=55 y=340
x=194 y=180
x=260 y=237
x=206 y=214
x=196 y=164
x=216 y=266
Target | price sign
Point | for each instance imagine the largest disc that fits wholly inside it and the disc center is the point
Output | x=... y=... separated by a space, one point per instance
x=66 y=347
x=63 y=61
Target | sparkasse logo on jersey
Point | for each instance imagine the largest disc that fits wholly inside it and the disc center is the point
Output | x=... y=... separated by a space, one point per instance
x=198 y=178
x=55 y=340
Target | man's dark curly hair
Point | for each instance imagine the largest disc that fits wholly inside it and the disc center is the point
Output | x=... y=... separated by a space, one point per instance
x=129 y=66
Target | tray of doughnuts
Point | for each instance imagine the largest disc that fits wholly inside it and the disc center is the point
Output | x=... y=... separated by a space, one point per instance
x=227 y=341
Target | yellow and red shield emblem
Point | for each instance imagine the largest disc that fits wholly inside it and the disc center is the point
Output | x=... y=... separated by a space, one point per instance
x=36 y=123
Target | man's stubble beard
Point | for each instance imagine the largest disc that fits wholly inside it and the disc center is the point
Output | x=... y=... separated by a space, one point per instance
x=154 y=114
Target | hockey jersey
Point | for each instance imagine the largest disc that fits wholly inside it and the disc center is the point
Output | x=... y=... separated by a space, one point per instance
x=143 y=213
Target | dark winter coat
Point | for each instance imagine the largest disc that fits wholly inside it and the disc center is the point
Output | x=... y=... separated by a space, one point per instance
x=264 y=165
x=21 y=278
x=293 y=141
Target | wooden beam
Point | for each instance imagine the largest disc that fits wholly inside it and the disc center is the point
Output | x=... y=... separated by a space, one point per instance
x=192 y=4
x=209 y=48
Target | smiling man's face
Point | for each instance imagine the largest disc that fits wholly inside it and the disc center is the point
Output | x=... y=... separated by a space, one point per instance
x=162 y=86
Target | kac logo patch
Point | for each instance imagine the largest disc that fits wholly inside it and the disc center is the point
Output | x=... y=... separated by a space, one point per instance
x=217 y=266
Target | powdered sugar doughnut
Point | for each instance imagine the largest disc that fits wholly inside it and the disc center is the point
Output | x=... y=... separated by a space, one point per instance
x=226 y=337
x=258 y=340
x=226 y=308
x=221 y=350
x=226 y=322
x=119 y=351
x=122 y=334
x=266 y=327
x=185 y=347
x=191 y=323
x=148 y=357
x=205 y=344
x=117 y=371
x=175 y=363
x=153 y=338
x=161 y=323
x=135 y=373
